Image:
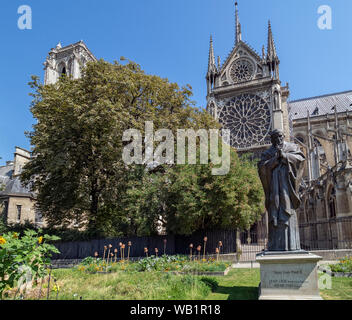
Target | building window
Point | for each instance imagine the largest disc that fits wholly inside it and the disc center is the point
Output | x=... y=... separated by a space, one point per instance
x=332 y=203
x=62 y=69
x=19 y=211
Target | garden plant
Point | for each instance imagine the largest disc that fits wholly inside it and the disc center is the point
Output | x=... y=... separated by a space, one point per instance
x=24 y=258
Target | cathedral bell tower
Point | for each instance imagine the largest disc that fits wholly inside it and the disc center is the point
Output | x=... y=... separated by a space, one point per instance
x=245 y=93
x=66 y=60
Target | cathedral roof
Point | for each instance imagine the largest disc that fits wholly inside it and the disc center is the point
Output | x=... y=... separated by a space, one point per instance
x=321 y=105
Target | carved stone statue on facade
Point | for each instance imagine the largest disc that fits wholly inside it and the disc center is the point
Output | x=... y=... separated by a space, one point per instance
x=276 y=101
x=280 y=170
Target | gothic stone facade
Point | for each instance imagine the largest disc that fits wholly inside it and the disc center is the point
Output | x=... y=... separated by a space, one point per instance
x=322 y=125
x=246 y=96
x=67 y=60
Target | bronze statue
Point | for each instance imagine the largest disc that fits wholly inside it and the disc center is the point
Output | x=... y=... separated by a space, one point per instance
x=280 y=170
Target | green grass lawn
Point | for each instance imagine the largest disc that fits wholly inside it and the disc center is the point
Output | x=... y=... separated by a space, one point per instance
x=341 y=290
x=239 y=284
x=242 y=284
x=120 y=285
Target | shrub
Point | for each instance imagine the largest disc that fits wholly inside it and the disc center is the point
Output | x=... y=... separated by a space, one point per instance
x=178 y=263
x=163 y=263
x=22 y=255
x=344 y=265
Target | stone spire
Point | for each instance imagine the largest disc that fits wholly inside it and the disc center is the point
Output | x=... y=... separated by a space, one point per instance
x=271 y=45
x=211 y=62
x=238 y=37
x=271 y=57
x=212 y=70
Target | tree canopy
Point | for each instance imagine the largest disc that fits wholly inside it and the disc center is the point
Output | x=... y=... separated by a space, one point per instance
x=80 y=178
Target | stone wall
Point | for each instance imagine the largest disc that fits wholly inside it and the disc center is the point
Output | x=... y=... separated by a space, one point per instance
x=27 y=210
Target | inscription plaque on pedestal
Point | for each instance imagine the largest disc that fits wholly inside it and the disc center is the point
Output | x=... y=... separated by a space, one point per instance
x=288 y=276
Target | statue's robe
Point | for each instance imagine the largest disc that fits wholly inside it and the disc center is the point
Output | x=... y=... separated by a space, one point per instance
x=281 y=180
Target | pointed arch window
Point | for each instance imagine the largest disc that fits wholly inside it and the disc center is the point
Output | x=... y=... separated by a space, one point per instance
x=62 y=69
x=302 y=213
x=332 y=203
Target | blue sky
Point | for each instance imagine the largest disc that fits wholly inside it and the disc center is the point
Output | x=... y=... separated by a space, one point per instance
x=170 y=39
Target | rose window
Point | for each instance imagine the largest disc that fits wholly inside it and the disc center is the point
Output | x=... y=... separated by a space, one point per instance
x=241 y=70
x=248 y=118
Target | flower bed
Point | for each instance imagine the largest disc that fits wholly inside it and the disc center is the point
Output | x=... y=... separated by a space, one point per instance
x=177 y=264
x=344 y=266
x=341 y=269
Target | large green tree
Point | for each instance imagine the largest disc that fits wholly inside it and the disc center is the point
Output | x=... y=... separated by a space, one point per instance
x=189 y=198
x=78 y=172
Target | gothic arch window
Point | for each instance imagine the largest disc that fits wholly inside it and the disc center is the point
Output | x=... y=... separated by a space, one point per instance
x=302 y=214
x=62 y=69
x=311 y=210
x=332 y=202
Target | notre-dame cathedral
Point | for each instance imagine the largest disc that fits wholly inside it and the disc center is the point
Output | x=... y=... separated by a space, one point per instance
x=244 y=93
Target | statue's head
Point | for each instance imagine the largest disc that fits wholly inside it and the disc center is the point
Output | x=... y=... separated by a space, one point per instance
x=277 y=138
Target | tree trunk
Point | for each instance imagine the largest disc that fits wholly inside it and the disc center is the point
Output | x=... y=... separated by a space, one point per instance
x=94 y=206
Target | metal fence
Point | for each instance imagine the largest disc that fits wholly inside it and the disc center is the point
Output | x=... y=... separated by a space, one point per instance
x=330 y=234
x=169 y=244
x=334 y=233
x=250 y=244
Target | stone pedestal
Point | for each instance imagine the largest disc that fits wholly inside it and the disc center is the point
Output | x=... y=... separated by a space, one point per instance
x=288 y=276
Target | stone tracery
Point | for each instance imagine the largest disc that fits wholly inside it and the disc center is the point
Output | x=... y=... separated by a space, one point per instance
x=248 y=117
x=241 y=70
